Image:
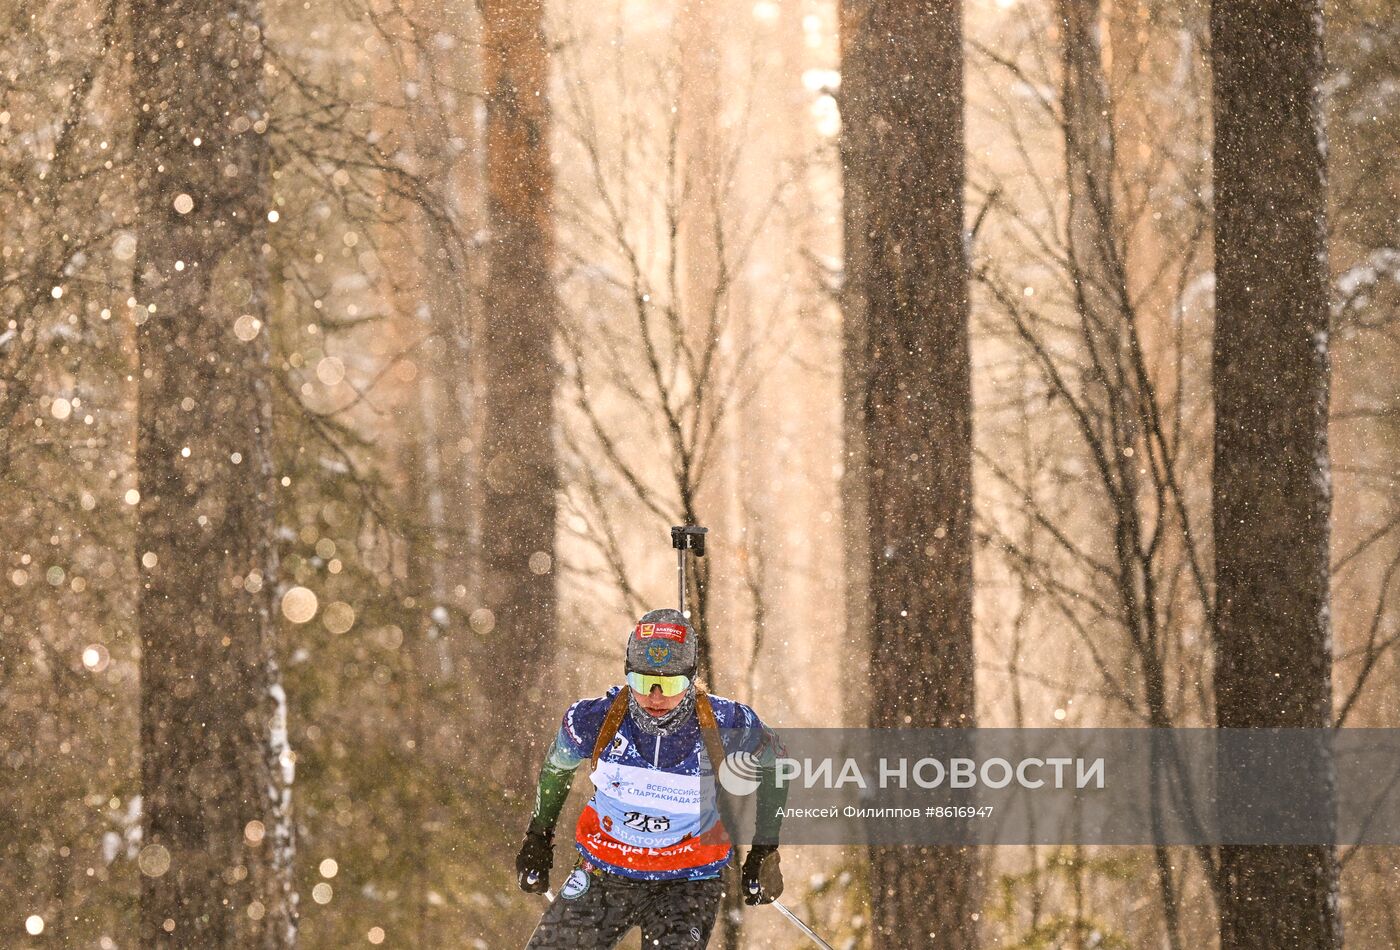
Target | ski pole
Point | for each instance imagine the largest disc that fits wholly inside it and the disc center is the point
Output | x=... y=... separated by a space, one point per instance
x=797 y=922
x=548 y=895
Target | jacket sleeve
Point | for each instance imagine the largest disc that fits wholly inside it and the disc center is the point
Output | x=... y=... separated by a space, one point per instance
x=772 y=796
x=749 y=734
x=565 y=755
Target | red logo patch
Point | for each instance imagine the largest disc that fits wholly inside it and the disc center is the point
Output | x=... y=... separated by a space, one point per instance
x=666 y=631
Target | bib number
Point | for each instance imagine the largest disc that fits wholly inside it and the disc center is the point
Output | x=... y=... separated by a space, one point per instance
x=649 y=824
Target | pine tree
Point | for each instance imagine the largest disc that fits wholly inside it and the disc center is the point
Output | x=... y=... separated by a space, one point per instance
x=520 y=467
x=902 y=114
x=1272 y=487
x=216 y=769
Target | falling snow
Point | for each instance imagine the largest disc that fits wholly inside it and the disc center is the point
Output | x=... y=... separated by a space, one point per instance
x=354 y=364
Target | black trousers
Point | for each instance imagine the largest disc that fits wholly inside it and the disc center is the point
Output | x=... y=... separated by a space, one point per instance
x=594 y=910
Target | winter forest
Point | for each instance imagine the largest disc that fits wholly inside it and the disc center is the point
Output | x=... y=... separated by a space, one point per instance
x=1032 y=363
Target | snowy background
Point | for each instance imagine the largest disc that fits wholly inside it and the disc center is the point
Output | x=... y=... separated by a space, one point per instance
x=307 y=326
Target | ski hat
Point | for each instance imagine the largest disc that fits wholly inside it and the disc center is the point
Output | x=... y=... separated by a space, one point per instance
x=662 y=643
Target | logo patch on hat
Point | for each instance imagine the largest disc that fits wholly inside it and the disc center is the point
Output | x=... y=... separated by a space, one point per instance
x=667 y=631
x=658 y=653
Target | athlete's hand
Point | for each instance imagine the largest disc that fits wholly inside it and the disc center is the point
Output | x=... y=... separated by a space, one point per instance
x=762 y=875
x=533 y=862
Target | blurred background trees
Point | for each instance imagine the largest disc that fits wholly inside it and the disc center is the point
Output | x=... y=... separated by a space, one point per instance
x=216 y=767
x=693 y=264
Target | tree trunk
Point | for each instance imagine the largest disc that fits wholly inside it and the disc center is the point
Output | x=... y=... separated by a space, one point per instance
x=216 y=768
x=432 y=293
x=903 y=123
x=521 y=472
x=1089 y=160
x=855 y=479
x=1272 y=482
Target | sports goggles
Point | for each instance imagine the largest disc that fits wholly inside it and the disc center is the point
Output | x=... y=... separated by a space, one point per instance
x=670 y=685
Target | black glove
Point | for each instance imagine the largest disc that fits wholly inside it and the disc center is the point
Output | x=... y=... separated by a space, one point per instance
x=533 y=862
x=762 y=875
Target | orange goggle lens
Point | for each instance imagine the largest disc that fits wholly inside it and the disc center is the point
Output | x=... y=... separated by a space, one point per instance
x=670 y=685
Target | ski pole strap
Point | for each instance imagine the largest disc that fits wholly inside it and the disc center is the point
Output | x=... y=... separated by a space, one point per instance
x=611 y=723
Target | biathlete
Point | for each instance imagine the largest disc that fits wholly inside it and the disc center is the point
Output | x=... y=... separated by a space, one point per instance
x=651 y=841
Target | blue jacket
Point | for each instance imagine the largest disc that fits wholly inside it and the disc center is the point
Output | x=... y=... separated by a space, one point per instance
x=653 y=813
